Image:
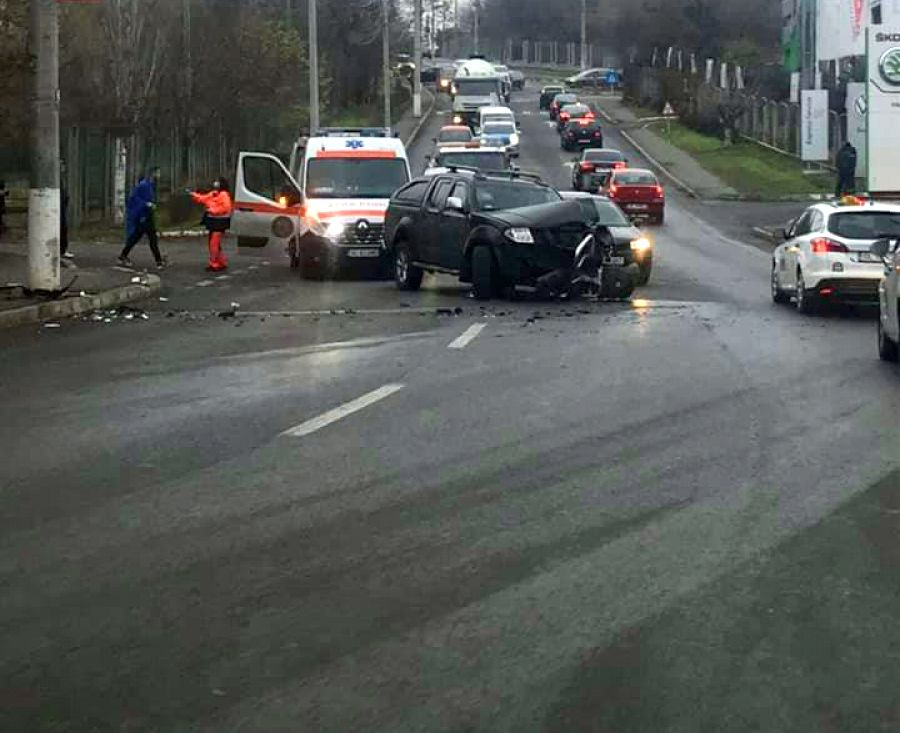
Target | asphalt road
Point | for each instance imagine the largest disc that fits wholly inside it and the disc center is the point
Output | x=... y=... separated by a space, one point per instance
x=676 y=515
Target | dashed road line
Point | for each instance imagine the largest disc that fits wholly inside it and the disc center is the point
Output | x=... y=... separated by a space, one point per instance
x=467 y=336
x=223 y=277
x=339 y=413
x=204 y=283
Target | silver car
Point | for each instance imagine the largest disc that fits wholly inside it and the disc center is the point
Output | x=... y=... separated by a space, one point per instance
x=889 y=299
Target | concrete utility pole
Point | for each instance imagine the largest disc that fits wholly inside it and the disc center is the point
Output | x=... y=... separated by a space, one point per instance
x=386 y=60
x=44 y=195
x=313 y=69
x=476 y=7
x=584 y=53
x=417 y=61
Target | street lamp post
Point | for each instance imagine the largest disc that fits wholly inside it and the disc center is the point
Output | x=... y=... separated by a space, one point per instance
x=44 y=193
x=417 y=61
x=584 y=53
x=386 y=61
x=313 y=69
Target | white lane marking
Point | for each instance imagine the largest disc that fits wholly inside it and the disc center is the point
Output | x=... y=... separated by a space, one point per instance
x=467 y=336
x=339 y=413
x=204 y=283
x=253 y=267
x=223 y=277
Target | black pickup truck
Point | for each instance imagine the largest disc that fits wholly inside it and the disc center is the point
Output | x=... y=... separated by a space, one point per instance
x=494 y=230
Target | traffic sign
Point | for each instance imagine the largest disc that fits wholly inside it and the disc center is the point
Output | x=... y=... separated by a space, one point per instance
x=612 y=77
x=668 y=110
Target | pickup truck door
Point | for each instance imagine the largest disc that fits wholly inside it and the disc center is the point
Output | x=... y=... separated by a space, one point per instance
x=428 y=236
x=265 y=193
x=454 y=229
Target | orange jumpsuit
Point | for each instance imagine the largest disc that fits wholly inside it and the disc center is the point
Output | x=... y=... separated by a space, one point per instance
x=217 y=203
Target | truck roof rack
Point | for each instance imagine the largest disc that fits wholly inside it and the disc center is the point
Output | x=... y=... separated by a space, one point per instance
x=482 y=174
x=353 y=132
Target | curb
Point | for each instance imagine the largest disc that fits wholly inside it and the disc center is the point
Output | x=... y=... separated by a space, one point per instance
x=418 y=128
x=653 y=161
x=83 y=304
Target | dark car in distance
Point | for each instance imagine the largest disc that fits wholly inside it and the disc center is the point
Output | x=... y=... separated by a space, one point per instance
x=548 y=93
x=560 y=101
x=583 y=132
x=590 y=171
x=575 y=111
x=495 y=231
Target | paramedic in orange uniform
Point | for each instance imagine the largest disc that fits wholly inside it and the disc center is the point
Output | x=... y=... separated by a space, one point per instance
x=217 y=220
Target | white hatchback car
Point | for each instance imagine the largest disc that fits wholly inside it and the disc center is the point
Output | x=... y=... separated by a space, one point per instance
x=889 y=299
x=826 y=256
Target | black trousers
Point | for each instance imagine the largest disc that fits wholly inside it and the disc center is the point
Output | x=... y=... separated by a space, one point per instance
x=142 y=229
x=846 y=183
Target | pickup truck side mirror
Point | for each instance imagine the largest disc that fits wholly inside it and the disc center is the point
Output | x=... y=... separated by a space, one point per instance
x=788 y=231
x=881 y=248
x=454 y=203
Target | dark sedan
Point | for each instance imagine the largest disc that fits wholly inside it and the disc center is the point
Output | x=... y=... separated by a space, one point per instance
x=583 y=132
x=632 y=246
x=591 y=170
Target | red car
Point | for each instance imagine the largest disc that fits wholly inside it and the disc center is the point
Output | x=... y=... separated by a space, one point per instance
x=638 y=193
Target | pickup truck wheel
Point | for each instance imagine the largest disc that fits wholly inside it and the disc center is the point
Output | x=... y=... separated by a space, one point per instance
x=406 y=274
x=482 y=273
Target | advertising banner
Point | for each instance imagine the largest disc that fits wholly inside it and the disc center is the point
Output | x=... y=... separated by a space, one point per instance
x=857 y=115
x=814 y=125
x=840 y=28
x=883 y=91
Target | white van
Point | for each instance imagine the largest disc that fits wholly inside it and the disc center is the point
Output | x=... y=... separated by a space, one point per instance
x=495 y=114
x=329 y=209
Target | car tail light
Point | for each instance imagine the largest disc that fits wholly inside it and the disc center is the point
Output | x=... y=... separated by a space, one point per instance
x=613 y=190
x=821 y=245
x=590 y=116
x=659 y=192
x=618 y=166
x=564 y=116
x=587 y=166
x=597 y=134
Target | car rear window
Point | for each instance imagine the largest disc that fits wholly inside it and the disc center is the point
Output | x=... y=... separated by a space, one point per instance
x=604 y=156
x=455 y=136
x=565 y=99
x=576 y=110
x=865 y=224
x=636 y=178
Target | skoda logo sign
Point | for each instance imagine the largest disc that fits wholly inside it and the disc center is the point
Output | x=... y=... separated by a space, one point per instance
x=362 y=228
x=889 y=66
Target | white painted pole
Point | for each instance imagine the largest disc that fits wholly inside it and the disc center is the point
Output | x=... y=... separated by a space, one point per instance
x=44 y=193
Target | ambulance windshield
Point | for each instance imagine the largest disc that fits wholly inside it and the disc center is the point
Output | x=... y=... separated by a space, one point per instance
x=353 y=178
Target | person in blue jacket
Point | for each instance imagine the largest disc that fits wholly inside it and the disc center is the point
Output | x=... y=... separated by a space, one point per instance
x=140 y=219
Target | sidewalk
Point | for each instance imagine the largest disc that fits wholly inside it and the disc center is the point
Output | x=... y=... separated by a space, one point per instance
x=93 y=285
x=684 y=170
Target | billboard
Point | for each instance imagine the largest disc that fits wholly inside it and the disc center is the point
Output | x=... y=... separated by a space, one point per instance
x=857 y=115
x=883 y=92
x=814 y=125
x=841 y=28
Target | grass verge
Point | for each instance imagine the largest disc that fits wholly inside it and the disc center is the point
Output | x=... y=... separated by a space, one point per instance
x=751 y=169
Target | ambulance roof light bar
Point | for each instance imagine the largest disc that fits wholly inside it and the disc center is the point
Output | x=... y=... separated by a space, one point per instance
x=354 y=132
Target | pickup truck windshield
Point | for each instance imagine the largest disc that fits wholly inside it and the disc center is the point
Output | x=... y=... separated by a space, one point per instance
x=476 y=87
x=351 y=178
x=502 y=195
x=865 y=224
x=482 y=161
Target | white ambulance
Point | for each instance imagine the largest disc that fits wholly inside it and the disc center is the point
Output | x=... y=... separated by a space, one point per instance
x=346 y=176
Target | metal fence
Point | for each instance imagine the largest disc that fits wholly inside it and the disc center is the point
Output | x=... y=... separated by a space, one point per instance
x=774 y=123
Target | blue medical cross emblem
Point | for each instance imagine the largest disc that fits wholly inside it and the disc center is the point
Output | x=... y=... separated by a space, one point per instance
x=354 y=144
